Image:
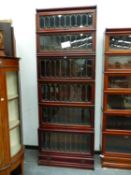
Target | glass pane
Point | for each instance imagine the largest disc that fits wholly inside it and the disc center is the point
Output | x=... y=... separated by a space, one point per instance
x=119 y=101
x=52 y=21
x=42 y=21
x=118 y=122
x=13 y=111
x=119 y=82
x=67 y=115
x=66 y=92
x=118 y=144
x=67 y=67
x=67 y=24
x=66 y=142
x=66 y=21
x=55 y=42
x=15 y=143
x=90 y=19
x=120 y=42
x=12 y=84
x=119 y=62
x=13 y=101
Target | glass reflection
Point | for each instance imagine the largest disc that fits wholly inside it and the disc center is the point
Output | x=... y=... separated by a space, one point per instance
x=118 y=144
x=66 y=21
x=65 y=142
x=120 y=82
x=66 y=92
x=120 y=42
x=66 y=42
x=119 y=62
x=67 y=115
x=67 y=67
x=119 y=101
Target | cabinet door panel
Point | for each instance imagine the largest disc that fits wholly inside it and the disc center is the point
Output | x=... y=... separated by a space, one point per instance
x=65 y=142
x=67 y=92
x=119 y=81
x=120 y=102
x=15 y=141
x=118 y=62
x=67 y=115
x=67 y=67
x=12 y=83
x=69 y=42
x=118 y=122
x=118 y=144
x=120 y=42
x=13 y=111
x=69 y=21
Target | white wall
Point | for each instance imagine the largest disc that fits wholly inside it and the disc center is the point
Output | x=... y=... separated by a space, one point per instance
x=110 y=14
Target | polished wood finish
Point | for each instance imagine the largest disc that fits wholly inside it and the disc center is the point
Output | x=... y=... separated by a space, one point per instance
x=9 y=165
x=116 y=133
x=66 y=87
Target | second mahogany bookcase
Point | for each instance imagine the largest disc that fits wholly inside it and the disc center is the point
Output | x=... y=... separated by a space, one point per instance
x=116 y=146
x=66 y=83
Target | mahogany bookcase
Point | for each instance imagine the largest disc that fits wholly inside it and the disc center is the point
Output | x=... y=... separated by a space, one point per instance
x=66 y=40
x=116 y=142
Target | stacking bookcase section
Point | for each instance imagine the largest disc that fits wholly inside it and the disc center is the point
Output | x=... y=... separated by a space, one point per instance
x=66 y=81
x=116 y=143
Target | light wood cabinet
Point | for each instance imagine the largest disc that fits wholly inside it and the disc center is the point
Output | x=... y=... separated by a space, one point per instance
x=116 y=142
x=11 y=147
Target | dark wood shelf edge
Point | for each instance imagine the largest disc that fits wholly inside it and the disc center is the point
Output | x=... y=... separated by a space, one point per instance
x=73 y=30
x=117 y=112
x=66 y=53
x=91 y=131
x=117 y=132
x=63 y=53
x=73 y=104
x=67 y=80
x=66 y=164
x=67 y=8
x=117 y=91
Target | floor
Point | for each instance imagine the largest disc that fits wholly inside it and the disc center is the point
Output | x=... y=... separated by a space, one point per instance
x=32 y=168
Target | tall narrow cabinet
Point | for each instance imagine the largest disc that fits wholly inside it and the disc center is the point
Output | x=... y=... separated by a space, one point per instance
x=66 y=81
x=117 y=99
x=11 y=148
